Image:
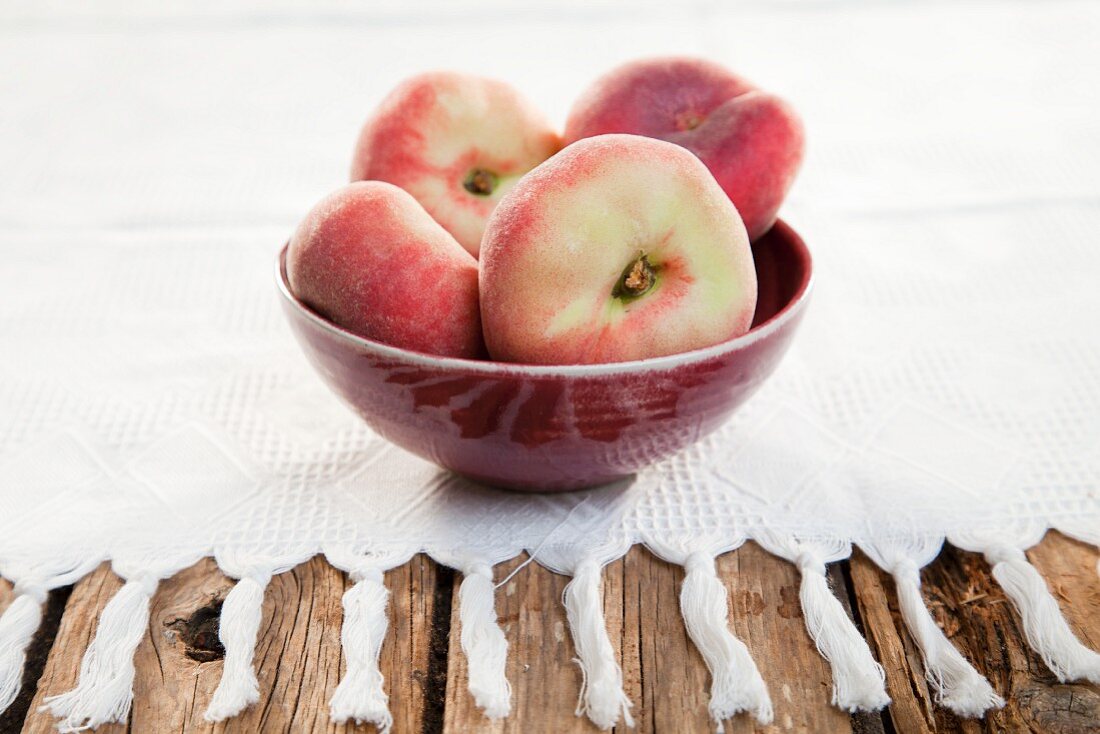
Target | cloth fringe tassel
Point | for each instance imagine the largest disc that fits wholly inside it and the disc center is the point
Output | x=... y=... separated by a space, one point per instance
x=483 y=641
x=238 y=626
x=17 y=627
x=736 y=684
x=601 y=697
x=1044 y=625
x=859 y=682
x=361 y=694
x=105 y=689
x=957 y=685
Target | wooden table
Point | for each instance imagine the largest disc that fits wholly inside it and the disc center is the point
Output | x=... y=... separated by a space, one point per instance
x=298 y=656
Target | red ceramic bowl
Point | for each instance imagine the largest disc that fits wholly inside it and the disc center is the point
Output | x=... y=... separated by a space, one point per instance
x=559 y=427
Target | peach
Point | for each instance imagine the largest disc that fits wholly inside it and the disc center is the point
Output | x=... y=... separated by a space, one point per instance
x=457 y=143
x=752 y=141
x=618 y=248
x=371 y=260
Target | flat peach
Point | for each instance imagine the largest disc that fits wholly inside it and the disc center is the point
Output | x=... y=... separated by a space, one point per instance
x=457 y=143
x=618 y=248
x=370 y=259
x=752 y=141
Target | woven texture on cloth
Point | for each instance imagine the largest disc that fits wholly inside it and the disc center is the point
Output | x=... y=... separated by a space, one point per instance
x=154 y=408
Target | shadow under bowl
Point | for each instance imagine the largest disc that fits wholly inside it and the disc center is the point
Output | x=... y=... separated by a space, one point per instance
x=561 y=427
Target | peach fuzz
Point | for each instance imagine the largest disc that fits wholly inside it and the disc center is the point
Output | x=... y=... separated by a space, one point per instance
x=371 y=260
x=752 y=141
x=618 y=248
x=457 y=143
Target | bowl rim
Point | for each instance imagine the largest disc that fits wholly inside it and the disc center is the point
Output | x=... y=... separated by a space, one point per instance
x=493 y=367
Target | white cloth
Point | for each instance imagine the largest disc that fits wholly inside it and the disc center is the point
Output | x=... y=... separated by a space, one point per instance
x=154 y=408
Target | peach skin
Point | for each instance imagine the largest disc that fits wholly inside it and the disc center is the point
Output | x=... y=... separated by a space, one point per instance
x=370 y=259
x=618 y=248
x=752 y=141
x=457 y=143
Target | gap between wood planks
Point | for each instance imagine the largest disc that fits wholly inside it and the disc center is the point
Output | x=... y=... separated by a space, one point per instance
x=299 y=660
x=37 y=652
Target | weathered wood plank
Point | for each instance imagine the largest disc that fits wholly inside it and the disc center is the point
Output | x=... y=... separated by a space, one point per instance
x=767 y=616
x=544 y=679
x=911 y=710
x=667 y=680
x=297 y=656
x=81 y=616
x=1070 y=568
x=419 y=624
x=973 y=611
x=180 y=663
x=663 y=673
x=299 y=662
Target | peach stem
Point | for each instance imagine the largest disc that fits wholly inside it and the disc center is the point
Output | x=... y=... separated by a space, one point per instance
x=480 y=182
x=637 y=278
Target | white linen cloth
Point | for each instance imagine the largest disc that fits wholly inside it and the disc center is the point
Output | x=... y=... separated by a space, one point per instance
x=154 y=408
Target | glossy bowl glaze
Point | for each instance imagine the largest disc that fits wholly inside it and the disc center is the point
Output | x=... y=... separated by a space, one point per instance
x=559 y=427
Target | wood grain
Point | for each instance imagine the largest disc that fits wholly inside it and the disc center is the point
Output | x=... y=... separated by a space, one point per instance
x=299 y=661
x=767 y=616
x=544 y=679
x=973 y=611
x=297 y=655
x=180 y=664
x=662 y=672
x=77 y=625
